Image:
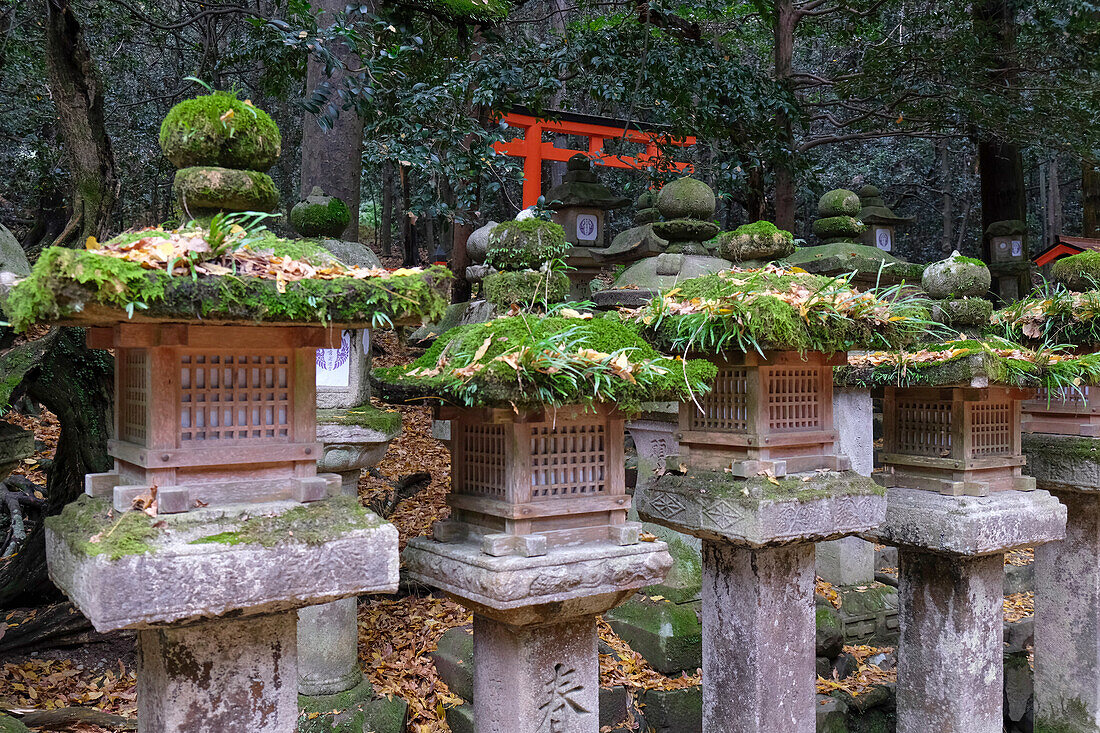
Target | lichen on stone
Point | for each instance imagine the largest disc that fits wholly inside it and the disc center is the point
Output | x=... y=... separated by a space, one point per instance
x=525 y=244
x=218 y=129
x=527 y=288
x=204 y=189
x=364 y=416
x=312 y=524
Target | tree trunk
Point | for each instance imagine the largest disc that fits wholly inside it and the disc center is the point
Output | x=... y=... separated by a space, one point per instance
x=947 y=239
x=410 y=248
x=385 y=234
x=78 y=96
x=1053 y=219
x=76 y=384
x=1090 y=199
x=786 y=19
x=333 y=158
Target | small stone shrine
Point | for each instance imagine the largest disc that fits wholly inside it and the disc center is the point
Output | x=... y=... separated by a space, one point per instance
x=956 y=503
x=580 y=205
x=1062 y=446
x=843 y=252
x=958 y=286
x=538 y=543
x=1008 y=259
x=687 y=207
x=639 y=241
x=758 y=477
x=880 y=223
x=215 y=526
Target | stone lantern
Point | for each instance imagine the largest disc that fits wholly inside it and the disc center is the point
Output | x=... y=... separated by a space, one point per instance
x=879 y=221
x=758 y=479
x=956 y=503
x=580 y=205
x=214 y=525
x=538 y=542
x=1008 y=258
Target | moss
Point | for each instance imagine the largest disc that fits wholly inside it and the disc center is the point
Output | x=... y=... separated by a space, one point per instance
x=970 y=359
x=310 y=524
x=756 y=241
x=838 y=203
x=758 y=490
x=198 y=132
x=498 y=383
x=1079 y=272
x=119 y=533
x=686 y=198
x=525 y=244
x=956 y=277
x=205 y=189
x=1006 y=228
x=1068 y=447
x=320 y=218
x=526 y=288
x=363 y=416
x=969 y=260
x=838 y=227
x=963 y=312
x=64 y=281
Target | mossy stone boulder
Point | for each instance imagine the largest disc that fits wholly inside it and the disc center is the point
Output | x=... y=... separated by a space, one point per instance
x=838 y=228
x=526 y=287
x=839 y=202
x=761 y=240
x=525 y=244
x=963 y=312
x=685 y=230
x=1078 y=272
x=205 y=189
x=318 y=215
x=956 y=277
x=9 y=724
x=220 y=130
x=477 y=244
x=686 y=198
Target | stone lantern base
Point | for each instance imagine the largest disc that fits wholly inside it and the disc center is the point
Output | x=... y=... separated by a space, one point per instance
x=951 y=585
x=758 y=583
x=213 y=595
x=535 y=624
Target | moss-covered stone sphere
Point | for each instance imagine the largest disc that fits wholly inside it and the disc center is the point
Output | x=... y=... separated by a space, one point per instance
x=686 y=198
x=761 y=240
x=219 y=130
x=204 y=189
x=1079 y=272
x=318 y=215
x=840 y=202
x=963 y=312
x=956 y=277
x=648 y=200
x=525 y=288
x=685 y=230
x=525 y=244
x=838 y=228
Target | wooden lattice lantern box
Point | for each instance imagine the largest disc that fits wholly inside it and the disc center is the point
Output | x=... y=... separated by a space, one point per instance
x=526 y=480
x=1068 y=411
x=766 y=413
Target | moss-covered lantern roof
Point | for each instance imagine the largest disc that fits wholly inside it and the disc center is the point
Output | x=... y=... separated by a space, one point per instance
x=529 y=362
x=223 y=274
x=777 y=309
x=984 y=362
x=1053 y=317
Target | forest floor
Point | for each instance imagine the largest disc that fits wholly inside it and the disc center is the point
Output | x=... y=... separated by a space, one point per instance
x=396 y=633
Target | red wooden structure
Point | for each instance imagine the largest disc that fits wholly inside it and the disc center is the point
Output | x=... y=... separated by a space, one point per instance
x=1064 y=246
x=533 y=150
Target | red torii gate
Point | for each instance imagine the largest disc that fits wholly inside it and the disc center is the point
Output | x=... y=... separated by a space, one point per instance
x=533 y=150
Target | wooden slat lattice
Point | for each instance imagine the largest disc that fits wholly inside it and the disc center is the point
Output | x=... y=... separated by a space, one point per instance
x=235 y=397
x=481 y=472
x=990 y=429
x=726 y=406
x=132 y=391
x=923 y=427
x=794 y=399
x=568 y=460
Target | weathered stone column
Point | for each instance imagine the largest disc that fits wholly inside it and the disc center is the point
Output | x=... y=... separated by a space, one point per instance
x=758 y=584
x=1067 y=586
x=950 y=660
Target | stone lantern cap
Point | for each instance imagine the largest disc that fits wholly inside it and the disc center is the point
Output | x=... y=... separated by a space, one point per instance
x=777 y=309
x=524 y=362
x=580 y=187
x=221 y=275
x=873 y=210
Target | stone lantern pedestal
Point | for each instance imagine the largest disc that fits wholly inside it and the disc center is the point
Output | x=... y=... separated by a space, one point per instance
x=538 y=545
x=1067 y=586
x=759 y=485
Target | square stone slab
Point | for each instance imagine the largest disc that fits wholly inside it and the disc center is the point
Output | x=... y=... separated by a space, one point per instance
x=762 y=512
x=971 y=526
x=585 y=579
x=205 y=564
x=1063 y=462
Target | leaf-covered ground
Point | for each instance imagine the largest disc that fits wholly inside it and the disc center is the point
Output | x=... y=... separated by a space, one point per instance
x=396 y=634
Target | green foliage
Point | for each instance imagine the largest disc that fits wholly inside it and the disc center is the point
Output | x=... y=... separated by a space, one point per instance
x=220 y=130
x=525 y=244
x=554 y=361
x=775 y=309
x=527 y=288
x=1078 y=272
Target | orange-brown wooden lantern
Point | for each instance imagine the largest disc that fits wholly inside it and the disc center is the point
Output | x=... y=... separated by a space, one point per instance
x=525 y=481
x=954 y=439
x=213 y=415
x=765 y=413
x=1065 y=412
